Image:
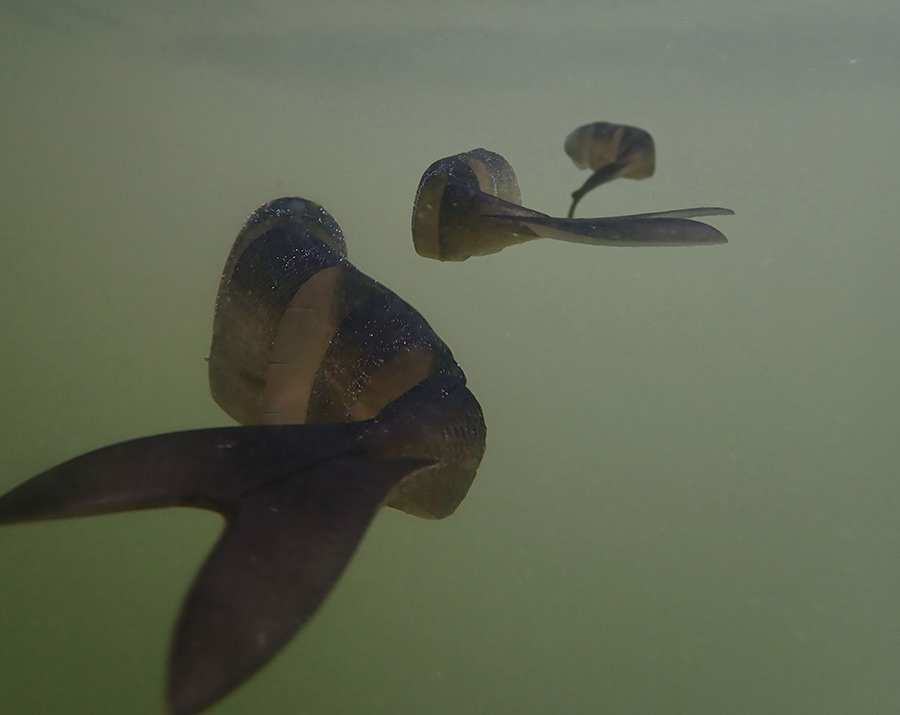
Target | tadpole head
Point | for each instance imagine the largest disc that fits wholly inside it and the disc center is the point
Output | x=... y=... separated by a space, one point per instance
x=611 y=151
x=462 y=206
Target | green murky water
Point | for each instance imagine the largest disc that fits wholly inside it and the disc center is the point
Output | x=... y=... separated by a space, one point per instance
x=689 y=501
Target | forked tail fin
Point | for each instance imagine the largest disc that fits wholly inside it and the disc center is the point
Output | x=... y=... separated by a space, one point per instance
x=297 y=500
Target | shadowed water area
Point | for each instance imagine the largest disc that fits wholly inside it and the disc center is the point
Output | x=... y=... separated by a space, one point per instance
x=689 y=498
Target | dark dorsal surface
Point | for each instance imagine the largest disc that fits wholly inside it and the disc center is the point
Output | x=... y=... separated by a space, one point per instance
x=350 y=402
x=301 y=336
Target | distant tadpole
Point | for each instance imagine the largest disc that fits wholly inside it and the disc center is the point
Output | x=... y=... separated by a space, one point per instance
x=469 y=204
x=610 y=151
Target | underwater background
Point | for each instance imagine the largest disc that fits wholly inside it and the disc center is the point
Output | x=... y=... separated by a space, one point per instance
x=689 y=501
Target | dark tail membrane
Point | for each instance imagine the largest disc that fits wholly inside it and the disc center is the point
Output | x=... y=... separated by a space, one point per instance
x=661 y=228
x=283 y=549
x=297 y=499
x=598 y=178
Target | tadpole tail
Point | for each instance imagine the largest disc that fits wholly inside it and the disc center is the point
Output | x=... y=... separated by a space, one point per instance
x=296 y=499
x=281 y=553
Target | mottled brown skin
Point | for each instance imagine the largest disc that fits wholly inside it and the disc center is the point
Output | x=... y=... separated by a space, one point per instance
x=350 y=402
x=469 y=205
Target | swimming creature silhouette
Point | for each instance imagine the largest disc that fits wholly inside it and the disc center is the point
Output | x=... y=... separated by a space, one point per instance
x=350 y=402
x=470 y=205
x=610 y=151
